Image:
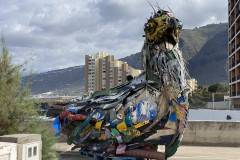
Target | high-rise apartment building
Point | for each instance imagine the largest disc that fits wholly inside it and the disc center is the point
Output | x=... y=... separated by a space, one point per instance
x=192 y=84
x=102 y=71
x=234 y=51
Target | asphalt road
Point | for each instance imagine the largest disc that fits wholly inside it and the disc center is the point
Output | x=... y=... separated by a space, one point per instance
x=183 y=153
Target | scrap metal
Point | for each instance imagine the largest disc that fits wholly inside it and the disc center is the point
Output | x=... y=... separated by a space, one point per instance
x=145 y=112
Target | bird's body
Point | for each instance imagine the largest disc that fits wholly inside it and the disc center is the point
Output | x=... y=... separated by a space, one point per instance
x=149 y=110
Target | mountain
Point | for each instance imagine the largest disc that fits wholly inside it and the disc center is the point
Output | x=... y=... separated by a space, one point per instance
x=205 y=49
x=62 y=81
x=210 y=64
x=192 y=40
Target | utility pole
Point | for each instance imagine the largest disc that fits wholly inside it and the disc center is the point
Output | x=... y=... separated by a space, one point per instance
x=213 y=99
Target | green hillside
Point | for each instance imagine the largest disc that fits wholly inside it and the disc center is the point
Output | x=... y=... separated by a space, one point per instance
x=209 y=65
x=192 y=40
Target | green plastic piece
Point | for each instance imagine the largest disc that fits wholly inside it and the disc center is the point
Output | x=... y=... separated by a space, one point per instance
x=114 y=132
x=171 y=150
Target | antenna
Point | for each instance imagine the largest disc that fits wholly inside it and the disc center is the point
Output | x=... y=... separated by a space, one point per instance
x=151 y=6
x=170 y=10
x=158 y=5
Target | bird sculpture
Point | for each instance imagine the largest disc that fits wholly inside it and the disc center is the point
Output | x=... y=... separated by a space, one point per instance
x=132 y=119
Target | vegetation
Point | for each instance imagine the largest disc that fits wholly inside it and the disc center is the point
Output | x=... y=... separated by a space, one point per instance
x=218 y=88
x=196 y=98
x=17 y=109
x=202 y=95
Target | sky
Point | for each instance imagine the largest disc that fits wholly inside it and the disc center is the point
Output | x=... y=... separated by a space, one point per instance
x=57 y=34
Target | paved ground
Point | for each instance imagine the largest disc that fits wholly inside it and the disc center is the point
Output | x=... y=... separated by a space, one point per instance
x=183 y=153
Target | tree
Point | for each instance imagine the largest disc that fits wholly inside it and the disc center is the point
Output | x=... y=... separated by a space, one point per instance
x=18 y=113
x=15 y=107
x=217 y=88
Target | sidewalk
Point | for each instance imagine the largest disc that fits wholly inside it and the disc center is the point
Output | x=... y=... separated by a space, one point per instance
x=183 y=153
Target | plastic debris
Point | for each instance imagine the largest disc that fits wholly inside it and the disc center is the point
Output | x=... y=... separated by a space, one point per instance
x=149 y=109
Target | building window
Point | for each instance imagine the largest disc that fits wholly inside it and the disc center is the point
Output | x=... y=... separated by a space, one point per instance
x=34 y=150
x=30 y=152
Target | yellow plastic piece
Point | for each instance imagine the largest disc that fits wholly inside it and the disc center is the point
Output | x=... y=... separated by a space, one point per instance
x=98 y=125
x=103 y=137
x=122 y=127
x=136 y=132
x=141 y=124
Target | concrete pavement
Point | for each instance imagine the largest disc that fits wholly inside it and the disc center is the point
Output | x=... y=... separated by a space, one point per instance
x=183 y=153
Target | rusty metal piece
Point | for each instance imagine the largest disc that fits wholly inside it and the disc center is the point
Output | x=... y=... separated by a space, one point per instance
x=73 y=117
x=145 y=154
x=63 y=115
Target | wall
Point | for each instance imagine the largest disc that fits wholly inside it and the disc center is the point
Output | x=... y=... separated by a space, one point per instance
x=218 y=105
x=212 y=133
x=8 y=151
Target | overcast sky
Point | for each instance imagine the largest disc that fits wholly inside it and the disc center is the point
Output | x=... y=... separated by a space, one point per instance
x=58 y=33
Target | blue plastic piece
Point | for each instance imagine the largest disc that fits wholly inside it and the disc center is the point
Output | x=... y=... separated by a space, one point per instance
x=128 y=119
x=172 y=117
x=73 y=110
x=56 y=125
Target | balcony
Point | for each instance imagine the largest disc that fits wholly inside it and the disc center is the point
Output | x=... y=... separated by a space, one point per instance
x=238 y=93
x=233 y=94
x=233 y=19
x=233 y=79
x=238 y=45
x=233 y=49
x=238 y=14
x=238 y=77
x=233 y=64
x=233 y=35
x=238 y=29
x=238 y=61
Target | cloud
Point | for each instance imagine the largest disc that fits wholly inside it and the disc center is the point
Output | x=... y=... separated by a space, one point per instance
x=59 y=33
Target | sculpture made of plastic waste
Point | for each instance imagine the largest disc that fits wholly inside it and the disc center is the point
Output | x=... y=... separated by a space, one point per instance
x=135 y=117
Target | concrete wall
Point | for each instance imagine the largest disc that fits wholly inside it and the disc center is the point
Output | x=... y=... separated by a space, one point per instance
x=218 y=105
x=212 y=133
x=8 y=151
x=29 y=146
